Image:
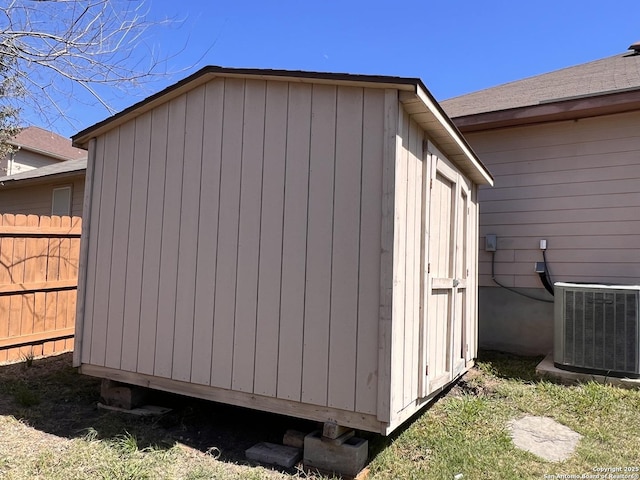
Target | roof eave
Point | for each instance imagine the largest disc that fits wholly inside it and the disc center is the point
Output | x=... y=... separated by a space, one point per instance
x=415 y=95
x=81 y=139
x=53 y=178
x=566 y=109
x=39 y=151
x=424 y=109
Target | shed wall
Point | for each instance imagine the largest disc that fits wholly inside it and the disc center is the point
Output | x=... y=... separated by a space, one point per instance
x=408 y=248
x=429 y=329
x=257 y=204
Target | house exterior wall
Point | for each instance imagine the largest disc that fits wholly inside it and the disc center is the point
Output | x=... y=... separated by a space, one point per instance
x=35 y=199
x=573 y=183
x=23 y=161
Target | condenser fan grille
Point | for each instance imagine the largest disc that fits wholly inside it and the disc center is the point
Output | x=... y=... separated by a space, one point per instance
x=597 y=329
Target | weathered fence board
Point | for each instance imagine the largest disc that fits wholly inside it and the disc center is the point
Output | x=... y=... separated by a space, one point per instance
x=38 y=282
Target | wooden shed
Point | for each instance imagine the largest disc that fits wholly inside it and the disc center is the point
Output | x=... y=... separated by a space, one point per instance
x=295 y=242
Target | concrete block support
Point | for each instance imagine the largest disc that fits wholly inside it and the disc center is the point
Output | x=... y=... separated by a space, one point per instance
x=343 y=458
x=120 y=395
x=273 y=454
x=333 y=430
x=294 y=438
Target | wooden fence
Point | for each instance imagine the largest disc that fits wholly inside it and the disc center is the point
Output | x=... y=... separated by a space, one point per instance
x=38 y=283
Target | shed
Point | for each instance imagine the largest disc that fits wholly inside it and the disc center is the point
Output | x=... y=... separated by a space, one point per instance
x=295 y=242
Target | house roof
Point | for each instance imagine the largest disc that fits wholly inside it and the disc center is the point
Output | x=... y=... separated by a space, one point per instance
x=47 y=143
x=414 y=95
x=66 y=168
x=600 y=87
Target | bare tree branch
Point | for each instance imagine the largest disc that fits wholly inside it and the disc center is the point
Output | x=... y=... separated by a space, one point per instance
x=49 y=46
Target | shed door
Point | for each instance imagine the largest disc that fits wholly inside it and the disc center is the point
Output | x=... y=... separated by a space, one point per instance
x=446 y=279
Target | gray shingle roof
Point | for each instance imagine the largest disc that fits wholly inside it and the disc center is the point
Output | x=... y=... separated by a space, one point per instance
x=68 y=166
x=608 y=75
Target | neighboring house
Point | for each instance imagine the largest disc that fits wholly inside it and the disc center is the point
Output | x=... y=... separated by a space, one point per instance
x=56 y=189
x=35 y=147
x=302 y=243
x=565 y=151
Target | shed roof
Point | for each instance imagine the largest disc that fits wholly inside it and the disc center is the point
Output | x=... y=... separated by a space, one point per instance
x=66 y=168
x=415 y=97
x=603 y=86
x=47 y=143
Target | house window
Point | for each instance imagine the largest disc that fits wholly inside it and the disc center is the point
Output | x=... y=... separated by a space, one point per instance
x=61 y=201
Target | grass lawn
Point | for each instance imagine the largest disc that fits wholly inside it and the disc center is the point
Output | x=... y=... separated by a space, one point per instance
x=466 y=431
x=50 y=429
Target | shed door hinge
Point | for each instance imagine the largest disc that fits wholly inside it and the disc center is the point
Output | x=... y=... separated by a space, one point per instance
x=428 y=268
x=426 y=370
x=430 y=183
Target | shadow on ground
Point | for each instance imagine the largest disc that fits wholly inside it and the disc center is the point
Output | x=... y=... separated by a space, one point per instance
x=49 y=395
x=506 y=365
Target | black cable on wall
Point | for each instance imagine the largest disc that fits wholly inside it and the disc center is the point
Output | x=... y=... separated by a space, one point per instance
x=533 y=297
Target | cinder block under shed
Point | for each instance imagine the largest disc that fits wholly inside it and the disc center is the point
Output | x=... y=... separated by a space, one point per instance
x=343 y=458
x=294 y=438
x=274 y=454
x=126 y=397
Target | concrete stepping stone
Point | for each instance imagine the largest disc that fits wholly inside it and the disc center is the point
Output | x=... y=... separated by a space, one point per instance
x=544 y=437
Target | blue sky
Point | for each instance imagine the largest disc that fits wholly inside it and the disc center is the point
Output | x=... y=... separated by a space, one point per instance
x=455 y=46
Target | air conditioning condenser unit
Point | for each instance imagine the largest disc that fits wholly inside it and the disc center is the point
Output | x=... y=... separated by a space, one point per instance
x=597 y=329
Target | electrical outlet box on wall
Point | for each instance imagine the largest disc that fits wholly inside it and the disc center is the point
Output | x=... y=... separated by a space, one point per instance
x=491 y=242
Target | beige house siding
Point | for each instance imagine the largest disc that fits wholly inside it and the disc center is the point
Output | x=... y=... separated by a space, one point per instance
x=35 y=199
x=575 y=184
x=265 y=243
x=25 y=160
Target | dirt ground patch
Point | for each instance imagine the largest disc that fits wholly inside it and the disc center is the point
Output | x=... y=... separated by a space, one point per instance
x=54 y=405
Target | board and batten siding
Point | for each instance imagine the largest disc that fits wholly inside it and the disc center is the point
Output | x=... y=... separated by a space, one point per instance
x=257 y=203
x=573 y=183
x=426 y=331
x=408 y=238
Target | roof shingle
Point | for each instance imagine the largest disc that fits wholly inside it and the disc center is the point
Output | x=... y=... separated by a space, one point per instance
x=66 y=167
x=43 y=141
x=608 y=75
